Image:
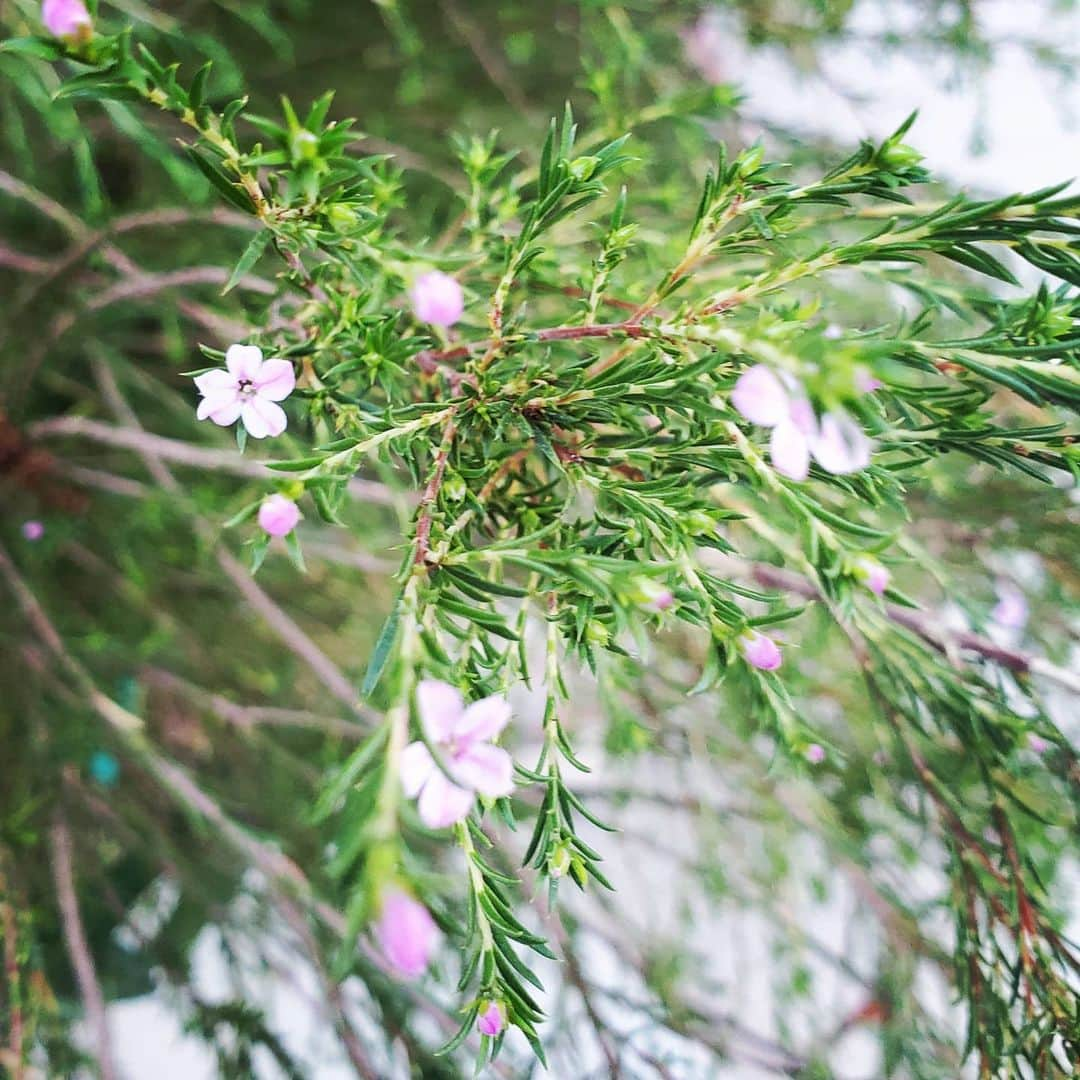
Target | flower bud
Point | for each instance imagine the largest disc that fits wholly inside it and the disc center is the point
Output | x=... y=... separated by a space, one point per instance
x=304 y=145
x=67 y=19
x=583 y=167
x=596 y=633
x=699 y=523
x=342 y=217
x=278 y=516
x=898 y=156
x=437 y=298
x=490 y=1020
x=559 y=862
x=406 y=933
x=651 y=594
x=760 y=651
x=872 y=574
x=32 y=530
x=815 y=753
x=454 y=487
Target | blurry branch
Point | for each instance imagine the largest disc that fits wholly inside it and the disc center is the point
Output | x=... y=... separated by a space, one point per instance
x=11 y=1056
x=183 y=453
x=278 y=869
x=246 y=717
x=929 y=627
x=78 y=948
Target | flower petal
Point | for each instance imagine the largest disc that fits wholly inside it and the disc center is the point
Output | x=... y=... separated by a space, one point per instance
x=789 y=451
x=222 y=412
x=443 y=803
x=482 y=720
x=485 y=768
x=841 y=446
x=406 y=933
x=218 y=381
x=262 y=418
x=415 y=768
x=760 y=397
x=244 y=361
x=275 y=380
x=440 y=706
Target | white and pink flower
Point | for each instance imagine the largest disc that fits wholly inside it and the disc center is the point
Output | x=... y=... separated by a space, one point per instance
x=66 y=18
x=836 y=442
x=463 y=736
x=247 y=389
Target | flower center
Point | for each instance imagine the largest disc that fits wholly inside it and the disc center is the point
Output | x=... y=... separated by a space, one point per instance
x=246 y=388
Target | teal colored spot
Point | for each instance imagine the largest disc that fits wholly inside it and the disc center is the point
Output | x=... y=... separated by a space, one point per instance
x=104 y=768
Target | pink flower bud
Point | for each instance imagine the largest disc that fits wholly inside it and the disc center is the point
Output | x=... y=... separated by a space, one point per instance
x=491 y=1020
x=815 y=753
x=1038 y=744
x=1011 y=609
x=872 y=574
x=760 y=650
x=865 y=381
x=437 y=298
x=406 y=933
x=66 y=18
x=278 y=516
x=652 y=594
x=32 y=530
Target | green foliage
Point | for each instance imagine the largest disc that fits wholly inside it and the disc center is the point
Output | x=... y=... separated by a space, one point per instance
x=568 y=465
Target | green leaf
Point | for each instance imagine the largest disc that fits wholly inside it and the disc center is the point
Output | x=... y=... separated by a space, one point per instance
x=383 y=648
x=249 y=258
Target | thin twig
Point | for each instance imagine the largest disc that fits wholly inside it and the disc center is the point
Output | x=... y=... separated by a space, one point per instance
x=78 y=948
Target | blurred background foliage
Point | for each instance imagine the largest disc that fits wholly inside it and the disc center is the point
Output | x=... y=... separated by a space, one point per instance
x=113 y=253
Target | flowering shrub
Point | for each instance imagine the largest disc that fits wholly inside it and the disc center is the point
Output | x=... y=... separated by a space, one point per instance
x=639 y=451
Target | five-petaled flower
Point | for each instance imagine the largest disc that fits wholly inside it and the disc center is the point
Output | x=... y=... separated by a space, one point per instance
x=406 y=933
x=247 y=390
x=462 y=736
x=835 y=441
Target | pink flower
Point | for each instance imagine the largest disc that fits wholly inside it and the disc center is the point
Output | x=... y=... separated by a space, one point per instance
x=66 y=18
x=406 y=933
x=32 y=530
x=278 y=516
x=437 y=298
x=815 y=753
x=247 y=390
x=704 y=44
x=872 y=574
x=1011 y=609
x=760 y=650
x=490 y=1020
x=463 y=738
x=837 y=443
x=1038 y=744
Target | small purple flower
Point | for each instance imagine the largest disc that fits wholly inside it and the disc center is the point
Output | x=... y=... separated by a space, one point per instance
x=490 y=1020
x=760 y=650
x=872 y=574
x=406 y=934
x=1037 y=744
x=463 y=737
x=837 y=443
x=278 y=516
x=815 y=753
x=32 y=531
x=247 y=390
x=66 y=18
x=1011 y=609
x=437 y=298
